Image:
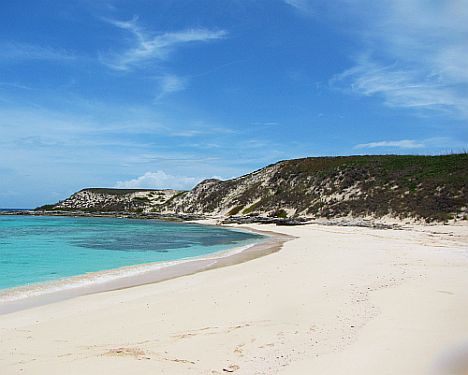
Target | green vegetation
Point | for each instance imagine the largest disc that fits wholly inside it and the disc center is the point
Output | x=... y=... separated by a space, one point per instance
x=280 y=213
x=430 y=187
x=141 y=199
x=235 y=210
x=252 y=208
x=46 y=207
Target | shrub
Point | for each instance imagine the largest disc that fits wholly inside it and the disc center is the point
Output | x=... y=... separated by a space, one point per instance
x=235 y=210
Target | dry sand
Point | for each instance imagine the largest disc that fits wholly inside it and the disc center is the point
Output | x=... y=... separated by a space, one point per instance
x=334 y=300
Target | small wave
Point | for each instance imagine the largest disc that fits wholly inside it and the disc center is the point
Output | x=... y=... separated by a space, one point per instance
x=96 y=278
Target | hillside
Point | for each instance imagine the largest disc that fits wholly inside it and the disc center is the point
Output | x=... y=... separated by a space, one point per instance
x=427 y=187
x=113 y=200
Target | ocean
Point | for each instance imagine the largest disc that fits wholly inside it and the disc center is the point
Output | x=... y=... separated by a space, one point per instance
x=36 y=249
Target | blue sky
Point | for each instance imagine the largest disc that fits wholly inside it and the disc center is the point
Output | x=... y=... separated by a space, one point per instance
x=165 y=93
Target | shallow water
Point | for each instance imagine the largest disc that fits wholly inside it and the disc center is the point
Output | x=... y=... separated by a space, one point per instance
x=42 y=248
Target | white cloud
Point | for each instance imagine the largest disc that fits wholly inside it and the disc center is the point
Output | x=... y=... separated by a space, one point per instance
x=405 y=143
x=415 y=54
x=159 y=180
x=404 y=88
x=303 y=6
x=146 y=47
x=171 y=83
x=188 y=133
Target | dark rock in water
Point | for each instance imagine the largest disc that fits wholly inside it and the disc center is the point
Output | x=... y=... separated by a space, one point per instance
x=16 y=212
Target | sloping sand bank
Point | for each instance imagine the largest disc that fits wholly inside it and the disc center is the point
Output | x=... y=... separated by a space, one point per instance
x=334 y=300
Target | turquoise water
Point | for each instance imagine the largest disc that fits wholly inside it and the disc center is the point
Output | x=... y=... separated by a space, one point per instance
x=37 y=249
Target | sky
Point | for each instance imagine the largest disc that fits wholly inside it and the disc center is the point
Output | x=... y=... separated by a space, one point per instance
x=166 y=93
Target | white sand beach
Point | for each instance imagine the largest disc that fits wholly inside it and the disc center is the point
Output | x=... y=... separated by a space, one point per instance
x=333 y=300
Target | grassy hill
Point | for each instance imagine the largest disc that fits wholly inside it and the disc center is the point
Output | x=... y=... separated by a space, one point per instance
x=429 y=187
x=424 y=187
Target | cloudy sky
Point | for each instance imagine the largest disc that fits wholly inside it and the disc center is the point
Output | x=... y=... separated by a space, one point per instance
x=162 y=94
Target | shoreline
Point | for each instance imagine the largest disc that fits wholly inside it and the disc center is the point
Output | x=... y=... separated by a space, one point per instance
x=34 y=295
x=377 y=222
x=335 y=300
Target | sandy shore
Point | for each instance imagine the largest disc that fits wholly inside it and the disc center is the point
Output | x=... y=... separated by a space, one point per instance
x=334 y=300
x=24 y=297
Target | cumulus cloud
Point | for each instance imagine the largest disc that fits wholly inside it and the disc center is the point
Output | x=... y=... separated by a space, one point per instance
x=404 y=143
x=146 y=46
x=159 y=180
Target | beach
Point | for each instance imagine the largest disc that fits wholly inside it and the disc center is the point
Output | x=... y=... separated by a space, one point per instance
x=332 y=300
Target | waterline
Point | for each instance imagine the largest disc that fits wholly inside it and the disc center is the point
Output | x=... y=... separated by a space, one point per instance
x=43 y=249
x=21 y=298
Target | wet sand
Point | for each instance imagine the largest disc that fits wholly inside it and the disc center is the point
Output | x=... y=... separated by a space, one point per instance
x=21 y=298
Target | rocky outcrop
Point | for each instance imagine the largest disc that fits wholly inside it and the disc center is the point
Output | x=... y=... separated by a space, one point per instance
x=115 y=200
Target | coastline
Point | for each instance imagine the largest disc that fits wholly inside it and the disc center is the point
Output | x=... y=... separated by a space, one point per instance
x=29 y=296
x=335 y=300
